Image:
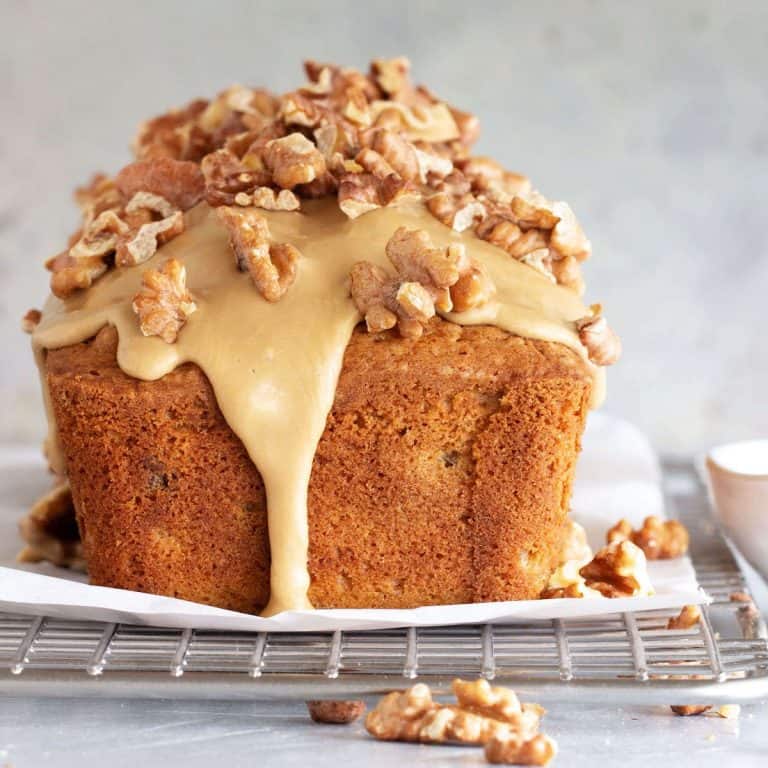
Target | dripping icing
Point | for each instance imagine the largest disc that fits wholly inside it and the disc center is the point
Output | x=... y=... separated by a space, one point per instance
x=274 y=367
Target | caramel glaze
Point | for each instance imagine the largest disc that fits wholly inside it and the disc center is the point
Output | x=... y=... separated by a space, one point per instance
x=274 y=367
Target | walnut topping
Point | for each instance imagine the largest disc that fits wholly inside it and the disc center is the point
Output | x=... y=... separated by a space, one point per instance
x=143 y=240
x=363 y=192
x=89 y=257
x=268 y=199
x=602 y=343
x=99 y=195
x=163 y=303
x=50 y=531
x=293 y=160
x=272 y=266
x=428 y=278
x=482 y=713
x=180 y=183
x=618 y=570
x=31 y=320
x=391 y=75
x=689 y=617
x=399 y=154
x=328 y=711
x=659 y=539
x=226 y=177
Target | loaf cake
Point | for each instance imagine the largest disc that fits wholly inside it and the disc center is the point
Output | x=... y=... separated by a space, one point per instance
x=310 y=351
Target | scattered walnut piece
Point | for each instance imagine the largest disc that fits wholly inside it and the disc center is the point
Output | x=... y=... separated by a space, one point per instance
x=30 y=320
x=740 y=597
x=539 y=750
x=689 y=617
x=688 y=710
x=659 y=539
x=50 y=532
x=602 y=344
x=618 y=570
x=335 y=712
x=179 y=182
x=272 y=266
x=163 y=303
x=482 y=712
x=728 y=711
x=293 y=160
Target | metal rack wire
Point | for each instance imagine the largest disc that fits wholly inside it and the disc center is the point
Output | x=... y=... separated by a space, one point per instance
x=632 y=655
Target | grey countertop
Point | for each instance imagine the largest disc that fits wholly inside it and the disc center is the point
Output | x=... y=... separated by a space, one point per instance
x=85 y=733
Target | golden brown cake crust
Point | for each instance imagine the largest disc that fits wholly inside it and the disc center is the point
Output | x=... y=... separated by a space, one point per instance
x=443 y=474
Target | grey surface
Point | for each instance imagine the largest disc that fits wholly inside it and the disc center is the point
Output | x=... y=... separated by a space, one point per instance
x=80 y=734
x=650 y=118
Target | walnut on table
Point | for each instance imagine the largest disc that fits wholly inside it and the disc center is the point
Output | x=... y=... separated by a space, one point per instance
x=335 y=712
x=163 y=303
x=483 y=714
x=659 y=539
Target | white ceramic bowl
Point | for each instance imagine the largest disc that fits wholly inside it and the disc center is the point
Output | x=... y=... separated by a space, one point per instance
x=738 y=478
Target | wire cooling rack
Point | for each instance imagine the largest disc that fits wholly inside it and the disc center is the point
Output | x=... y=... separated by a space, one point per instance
x=630 y=655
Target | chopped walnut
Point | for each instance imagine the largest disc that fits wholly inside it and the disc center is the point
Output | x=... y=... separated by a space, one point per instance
x=618 y=570
x=163 y=303
x=432 y=167
x=659 y=539
x=360 y=193
x=458 y=211
x=506 y=234
x=180 y=183
x=142 y=242
x=50 y=531
x=491 y=179
x=602 y=344
x=31 y=320
x=268 y=199
x=689 y=616
x=99 y=195
x=687 y=710
x=539 y=750
x=272 y=266
x=391 y=75
x=89 y=257
x=173 y=135
x=334 y=712
x=481 y=713
x=226 y=177
x=428 y=278
x=293 y=160
x=399 y=154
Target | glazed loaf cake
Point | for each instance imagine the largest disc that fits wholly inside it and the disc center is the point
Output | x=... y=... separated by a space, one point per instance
x=309 y=351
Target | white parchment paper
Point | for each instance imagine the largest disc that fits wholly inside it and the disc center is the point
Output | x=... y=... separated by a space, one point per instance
x=618 y=476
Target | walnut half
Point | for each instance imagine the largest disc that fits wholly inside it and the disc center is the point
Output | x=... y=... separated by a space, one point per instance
x=163 y=303
x=428 y=279
x=659 y=539
x=272 y=266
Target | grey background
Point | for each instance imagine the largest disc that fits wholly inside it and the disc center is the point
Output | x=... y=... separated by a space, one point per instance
x=650 y=118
